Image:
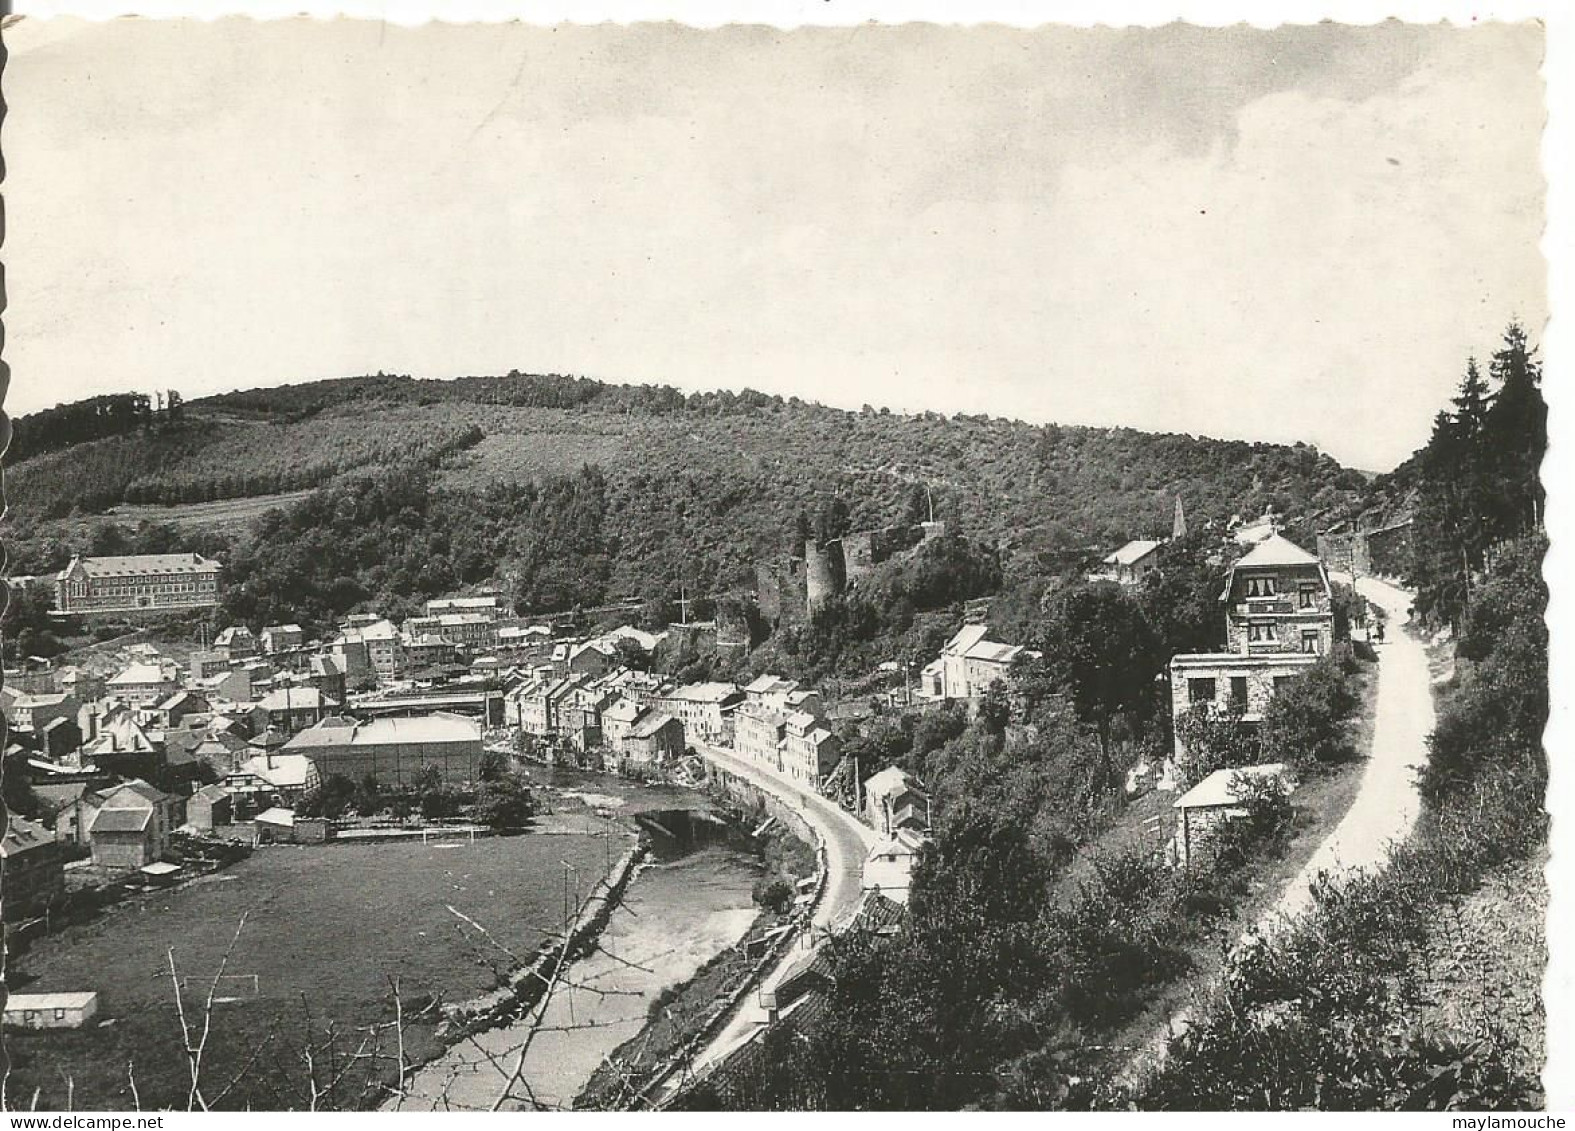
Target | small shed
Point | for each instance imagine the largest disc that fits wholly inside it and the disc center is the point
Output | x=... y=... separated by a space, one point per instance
x=51 y=1011
x=1216 y=799
x=276 y=825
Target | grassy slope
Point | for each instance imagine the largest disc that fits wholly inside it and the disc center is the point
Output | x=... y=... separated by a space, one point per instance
x=326 y=927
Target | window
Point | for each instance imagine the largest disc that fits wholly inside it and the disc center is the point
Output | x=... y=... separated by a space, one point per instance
x=60 y=1015
x=1238 y=691
x=1260 y=587
x=1260 y=631
x=1307 y=596
x=1200 y=691
x=1310 y=642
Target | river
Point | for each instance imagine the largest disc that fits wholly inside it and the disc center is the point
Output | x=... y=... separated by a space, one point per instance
x=678 y=913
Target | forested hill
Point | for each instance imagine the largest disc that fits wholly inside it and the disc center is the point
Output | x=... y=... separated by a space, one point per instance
x=572 y=490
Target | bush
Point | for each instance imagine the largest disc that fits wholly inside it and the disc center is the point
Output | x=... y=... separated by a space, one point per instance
x=1306 y=721
x=774 y=893
x=504 y=804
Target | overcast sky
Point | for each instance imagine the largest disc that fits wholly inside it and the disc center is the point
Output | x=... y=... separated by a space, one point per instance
x=1287 y=235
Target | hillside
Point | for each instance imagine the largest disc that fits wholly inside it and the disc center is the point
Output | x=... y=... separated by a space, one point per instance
x=696 y=487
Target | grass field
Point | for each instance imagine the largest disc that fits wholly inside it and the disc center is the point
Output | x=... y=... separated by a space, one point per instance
x=326 y=929
x=224 y=514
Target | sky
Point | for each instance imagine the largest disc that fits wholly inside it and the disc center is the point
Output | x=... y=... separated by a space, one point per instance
x=1287 y=235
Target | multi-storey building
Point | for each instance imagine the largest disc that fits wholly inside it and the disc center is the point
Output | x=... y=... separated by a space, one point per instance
x=809 y=750
x=758 y=732
x=705 y=709
x=137 y=583
x=1279 y=619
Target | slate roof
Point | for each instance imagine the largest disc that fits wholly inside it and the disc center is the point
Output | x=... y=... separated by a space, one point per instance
x=136 y=565
x=1133 y=552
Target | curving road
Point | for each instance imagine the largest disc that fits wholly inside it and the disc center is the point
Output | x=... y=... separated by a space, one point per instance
x=1387 y=804
x=846 y=842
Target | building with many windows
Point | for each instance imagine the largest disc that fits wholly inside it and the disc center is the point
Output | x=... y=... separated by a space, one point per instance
x=137 y=583
x=1279 y=619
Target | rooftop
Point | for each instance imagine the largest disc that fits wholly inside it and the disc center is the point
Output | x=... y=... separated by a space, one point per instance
x=1222 y=787
x=705 y=692
x=1134 y=551
x=139 y=564
x=1277 y=550
x=438 y=727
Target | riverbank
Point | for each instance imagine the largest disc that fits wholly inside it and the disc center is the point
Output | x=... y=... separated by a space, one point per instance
x=683 y=1012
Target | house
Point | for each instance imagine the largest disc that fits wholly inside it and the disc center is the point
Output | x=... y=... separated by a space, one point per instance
x=325 y=674
x=645 y=688
x=758 y=732
x=123 y=747
x=60 y=737
x=1218 y=798
x=482 y=604
x=282 y=637
x=142 y=684
x=593 y=658
x=968 y=665
x=809 y=750
x=656 y=737
x=32 y=868
x=894 y=800
x=353 y=658
x=888 y=869
x=177 y=707
x=284 y=778
x=374 y=648
x=77 y=802
x=137 y=583
x=222 y=750
x=428 y=650
x=393 y=750
x=51 y=1011
x=469 y=630
x=1278 y=599
x=1279 y=620
x=132 y=826
x=784 y=696
x=295 y=708
x=1129 y=564
x=209 y=808
x=203 y=666
x=85 y=686
x=617 y=720
x=235 y=643
x=34 y=711
x=705 y=709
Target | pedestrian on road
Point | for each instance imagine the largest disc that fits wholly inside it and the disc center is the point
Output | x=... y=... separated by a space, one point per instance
x=1378 y=632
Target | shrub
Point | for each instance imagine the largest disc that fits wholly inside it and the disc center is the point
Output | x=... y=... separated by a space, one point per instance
x=1306 y=721
x=774 y=893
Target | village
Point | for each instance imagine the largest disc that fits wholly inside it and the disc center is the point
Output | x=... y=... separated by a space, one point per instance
x=149 y=764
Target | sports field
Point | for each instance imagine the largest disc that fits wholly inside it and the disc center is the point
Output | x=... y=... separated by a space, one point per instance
x=326 y=929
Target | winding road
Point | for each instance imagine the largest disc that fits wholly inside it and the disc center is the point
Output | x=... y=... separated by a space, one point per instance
x=846 y=842
x=1387 y=802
